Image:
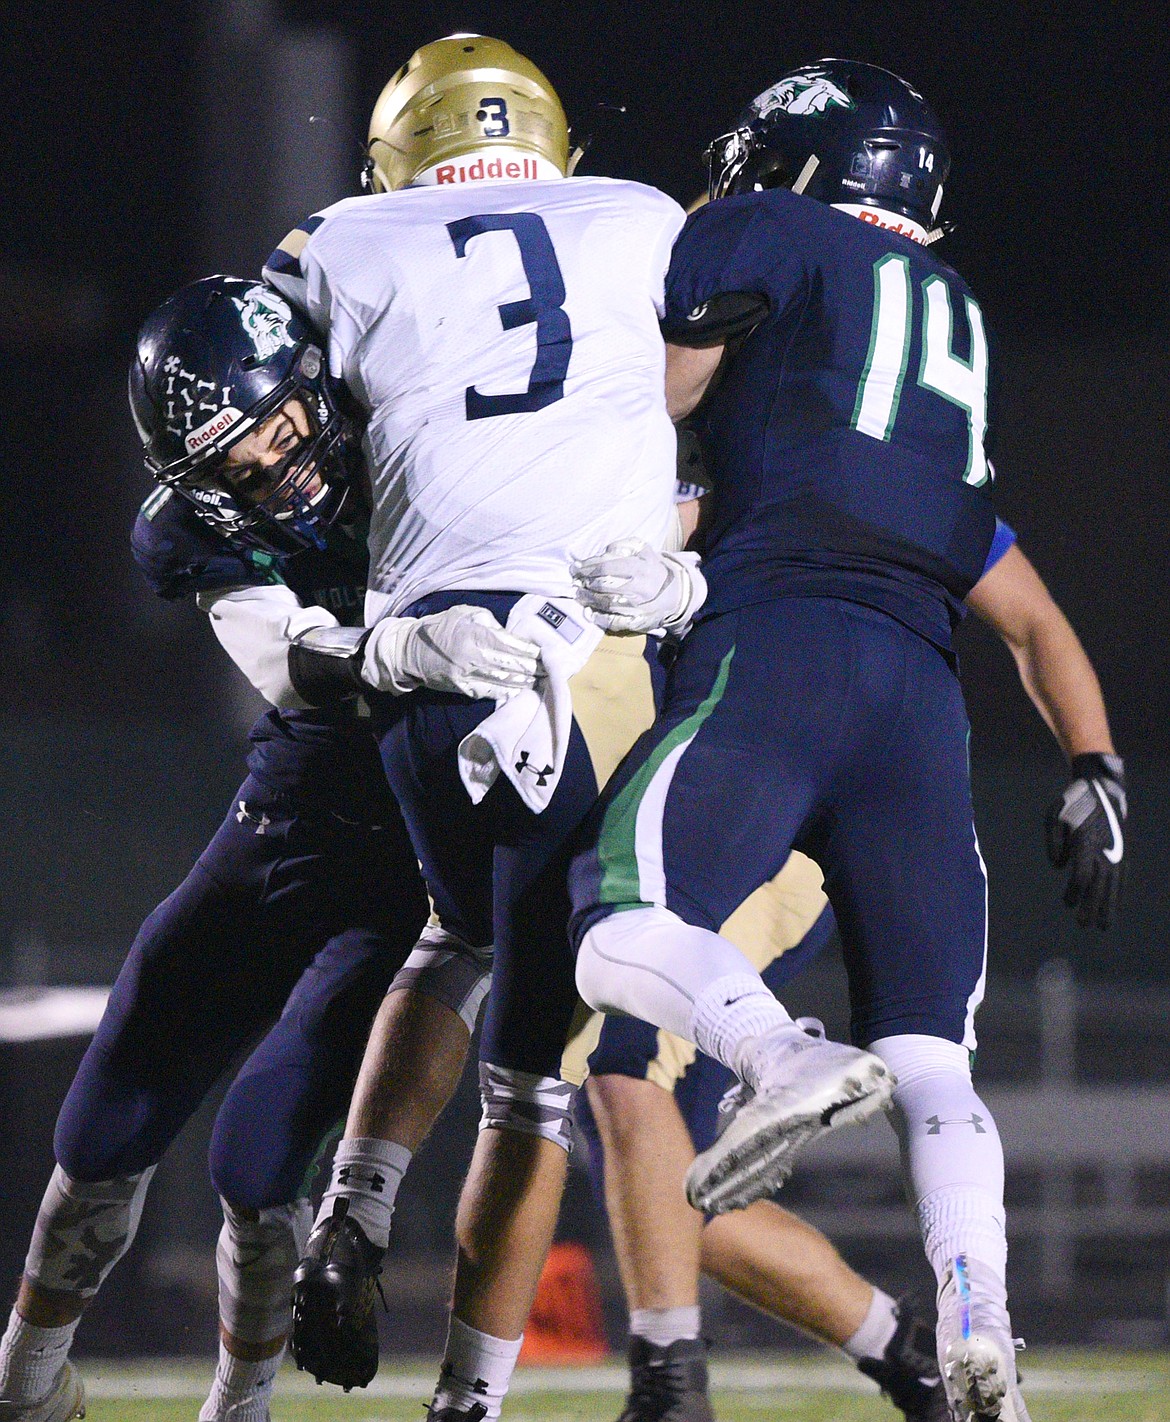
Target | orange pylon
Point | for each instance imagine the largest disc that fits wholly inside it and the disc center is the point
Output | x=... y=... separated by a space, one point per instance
x=565 y=1324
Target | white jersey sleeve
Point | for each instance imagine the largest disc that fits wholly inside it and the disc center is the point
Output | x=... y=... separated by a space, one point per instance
x=255 y=625
x=504 y=342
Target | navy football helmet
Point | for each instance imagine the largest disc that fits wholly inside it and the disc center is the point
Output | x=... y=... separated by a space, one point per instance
x=213 y=363
x=842 y=132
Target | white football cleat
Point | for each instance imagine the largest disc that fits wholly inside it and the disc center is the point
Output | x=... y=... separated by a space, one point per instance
x=975 y=1349
x=807 y=1086
x=65 y=1402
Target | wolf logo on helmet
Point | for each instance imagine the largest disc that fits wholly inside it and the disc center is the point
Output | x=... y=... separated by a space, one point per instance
x=809 y=92
x=846 y=133
x=265 y=318
x=465 y=97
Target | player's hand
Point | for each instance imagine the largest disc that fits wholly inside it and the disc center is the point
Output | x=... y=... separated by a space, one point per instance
x=463 y=649
x=631 y=588
x=1086 y=832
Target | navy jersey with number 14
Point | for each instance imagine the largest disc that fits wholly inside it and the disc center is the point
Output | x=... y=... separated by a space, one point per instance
x=847 y=441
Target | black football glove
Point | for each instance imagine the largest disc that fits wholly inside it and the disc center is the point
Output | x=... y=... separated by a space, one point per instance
x=1085 y=831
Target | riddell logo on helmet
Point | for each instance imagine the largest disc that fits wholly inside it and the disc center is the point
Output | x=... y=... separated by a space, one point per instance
x=887 y=221
x=218 y=425
x=876 y=219
x=480 y=170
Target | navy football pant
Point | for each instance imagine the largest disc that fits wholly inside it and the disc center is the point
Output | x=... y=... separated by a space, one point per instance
x=497 y=871
x=289 y=928
x=829 y=727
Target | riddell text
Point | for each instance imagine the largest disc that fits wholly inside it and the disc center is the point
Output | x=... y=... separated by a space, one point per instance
x=497 y=168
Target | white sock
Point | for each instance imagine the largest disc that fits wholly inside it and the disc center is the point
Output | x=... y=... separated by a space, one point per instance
x=31 y=1358
x=951 y=1153
x=664 y=1326
x=731 y=1015
x=368 y=1173
x=476 y=1368
x=877 y=1328
x=242 y=1391
x=969 y=1222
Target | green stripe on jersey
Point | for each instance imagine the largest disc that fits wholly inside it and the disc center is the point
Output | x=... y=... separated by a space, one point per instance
x=616 y=844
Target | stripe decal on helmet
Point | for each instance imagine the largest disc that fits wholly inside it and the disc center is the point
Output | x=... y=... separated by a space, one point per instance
x=629 y=848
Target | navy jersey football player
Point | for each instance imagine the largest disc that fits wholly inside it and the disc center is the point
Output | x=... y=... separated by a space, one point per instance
x=815 y=702
x=307 y=902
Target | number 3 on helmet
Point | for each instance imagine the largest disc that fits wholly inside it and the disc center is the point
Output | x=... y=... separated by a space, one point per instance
x=463 y=107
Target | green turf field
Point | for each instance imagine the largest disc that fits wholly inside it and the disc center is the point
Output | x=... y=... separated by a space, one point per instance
x=1061 y=1386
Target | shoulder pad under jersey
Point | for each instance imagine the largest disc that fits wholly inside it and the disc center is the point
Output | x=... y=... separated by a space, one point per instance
x=179 y=555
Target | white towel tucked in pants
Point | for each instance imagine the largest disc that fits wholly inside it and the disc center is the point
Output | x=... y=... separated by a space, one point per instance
x=527 y=735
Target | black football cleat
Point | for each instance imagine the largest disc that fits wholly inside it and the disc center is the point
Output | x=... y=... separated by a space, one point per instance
x=668 y=1384
x=334 y=1330
x=475 y=1413
x=907 y=1372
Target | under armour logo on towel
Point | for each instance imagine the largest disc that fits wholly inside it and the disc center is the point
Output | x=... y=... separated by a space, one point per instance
x=541 y=775
x=375 y=1183
x=936 y=1123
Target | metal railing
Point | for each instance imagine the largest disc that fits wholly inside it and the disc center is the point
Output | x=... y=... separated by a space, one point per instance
x=1087 y=1159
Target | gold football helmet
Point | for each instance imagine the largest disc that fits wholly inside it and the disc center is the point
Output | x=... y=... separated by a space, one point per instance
x=459 y=97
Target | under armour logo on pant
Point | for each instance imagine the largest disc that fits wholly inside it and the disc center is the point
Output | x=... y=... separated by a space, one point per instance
x=541 y=775
x=245 y=816
x=375 y=1183
x=936 y=1123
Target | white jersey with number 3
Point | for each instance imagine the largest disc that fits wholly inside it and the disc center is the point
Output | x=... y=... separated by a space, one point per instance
x=504 y=341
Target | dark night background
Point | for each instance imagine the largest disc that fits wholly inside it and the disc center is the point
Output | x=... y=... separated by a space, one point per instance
x=146 y=145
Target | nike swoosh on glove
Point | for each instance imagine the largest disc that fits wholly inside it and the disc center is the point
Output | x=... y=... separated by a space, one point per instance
x=1086 y=832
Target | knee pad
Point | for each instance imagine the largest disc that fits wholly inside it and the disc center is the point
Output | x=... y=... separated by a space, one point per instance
x=255 y=1259
x=83 y=1228
x=449 y=970
x=521 y=1101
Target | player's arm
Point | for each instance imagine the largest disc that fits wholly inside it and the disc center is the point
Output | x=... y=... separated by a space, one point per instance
x=284 y=270
x=689 y=371
x=1054 y=668
x=1085 y=826
x=256 y=626
x=302 y=656
x=721 y=284
x=632 y=588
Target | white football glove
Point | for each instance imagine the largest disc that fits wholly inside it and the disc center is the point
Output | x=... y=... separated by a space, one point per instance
x=463 y=649
x=631 y=588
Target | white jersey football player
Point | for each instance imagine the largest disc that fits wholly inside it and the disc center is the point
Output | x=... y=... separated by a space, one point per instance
x=498 y=327
x=502 y=337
